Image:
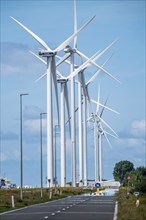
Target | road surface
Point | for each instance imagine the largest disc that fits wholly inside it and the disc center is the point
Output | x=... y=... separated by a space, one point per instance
x=84 y=207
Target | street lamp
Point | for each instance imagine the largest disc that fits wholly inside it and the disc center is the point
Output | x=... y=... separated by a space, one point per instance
x=21 y=152
x=41 y=153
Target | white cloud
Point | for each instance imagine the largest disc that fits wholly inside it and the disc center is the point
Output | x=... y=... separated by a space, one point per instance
x=32 y=112
x=138 y=128
x=130 y=142
x=19 y=60
x=32 y=126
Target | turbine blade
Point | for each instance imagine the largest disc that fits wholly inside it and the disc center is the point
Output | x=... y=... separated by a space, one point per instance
x=66 y=42
x=104 y=133
x=59 y=75
x=67 y=105
x=70 y=116
x=102 y=52
x=82 y=67
x=82 y=55
x=53 y=69
x=104 y=107
x=66 y=61
x=43 y=61
x=90 y=119
x=75 y=23
x=33 y=35
x=62 y=59
x=110 y=134
x=101 y=68
x=107 y=125
x=97 y=72
x=41 y=77
x=109 y=143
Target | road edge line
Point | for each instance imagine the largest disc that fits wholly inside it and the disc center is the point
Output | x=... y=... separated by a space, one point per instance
x=116 y=211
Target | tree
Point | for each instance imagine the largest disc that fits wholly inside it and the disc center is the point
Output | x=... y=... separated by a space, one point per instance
x=137 y=179
x=121 y=168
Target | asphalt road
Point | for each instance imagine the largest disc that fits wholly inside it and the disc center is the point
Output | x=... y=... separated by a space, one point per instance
x=71 y=208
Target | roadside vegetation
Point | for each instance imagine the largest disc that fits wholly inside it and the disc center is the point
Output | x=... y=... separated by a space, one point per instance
x=133 y=182
x=32 y=196
x=127 y=209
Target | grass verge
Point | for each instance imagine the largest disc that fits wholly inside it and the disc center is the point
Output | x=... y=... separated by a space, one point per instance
x=33 y=196
x=127 y=209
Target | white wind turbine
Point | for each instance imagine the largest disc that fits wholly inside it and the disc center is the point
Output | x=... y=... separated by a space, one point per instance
x=87 y=98
x=81 y=160
x=63 y=98
x=51 y=73
x=98 y=133
x=86 y=94
x=71 y=52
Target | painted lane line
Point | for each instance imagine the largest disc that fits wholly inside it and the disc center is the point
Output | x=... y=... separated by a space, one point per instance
x=116 y=211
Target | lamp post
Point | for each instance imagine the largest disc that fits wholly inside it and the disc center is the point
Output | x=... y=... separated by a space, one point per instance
x=41 y=153
x=21 y=150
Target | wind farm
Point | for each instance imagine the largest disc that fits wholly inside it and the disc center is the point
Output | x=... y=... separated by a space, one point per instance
x=72 y=110
x=66 y=61
x=51 y=74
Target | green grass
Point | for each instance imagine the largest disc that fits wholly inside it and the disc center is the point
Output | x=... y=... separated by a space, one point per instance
x=33 y=196
x=127 y=209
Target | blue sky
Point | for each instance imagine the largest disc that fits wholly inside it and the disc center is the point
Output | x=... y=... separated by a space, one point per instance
x=53 y=22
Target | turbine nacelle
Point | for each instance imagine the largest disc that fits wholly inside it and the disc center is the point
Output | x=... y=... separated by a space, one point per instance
x=61 y=80
x=69 y=49
x=46 y=53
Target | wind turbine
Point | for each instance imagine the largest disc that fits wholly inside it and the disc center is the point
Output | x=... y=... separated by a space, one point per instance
x=80 y=98
x=63 y=98
x=99 y=132
x=51 y=73
x=71 y=52
x=87 y=98
x=86 y=94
